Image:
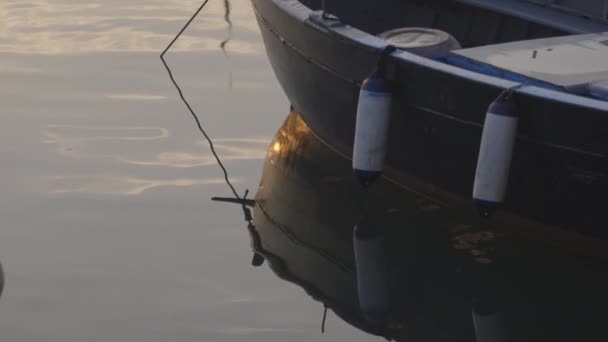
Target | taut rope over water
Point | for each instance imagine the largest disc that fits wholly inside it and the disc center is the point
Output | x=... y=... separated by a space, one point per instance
x=324 y=318
x=242 y=200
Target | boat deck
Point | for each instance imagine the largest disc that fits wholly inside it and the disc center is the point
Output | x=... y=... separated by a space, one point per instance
x=570 y=63
x=569 y=15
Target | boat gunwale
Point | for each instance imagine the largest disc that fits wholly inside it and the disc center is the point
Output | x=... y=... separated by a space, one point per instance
x=343 y=32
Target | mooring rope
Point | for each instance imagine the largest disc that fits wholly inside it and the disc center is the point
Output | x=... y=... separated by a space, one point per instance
x=227 y=10
x=324 y=318
x=241 y=200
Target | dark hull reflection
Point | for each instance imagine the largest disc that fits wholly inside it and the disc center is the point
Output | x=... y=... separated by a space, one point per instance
x=450 y=277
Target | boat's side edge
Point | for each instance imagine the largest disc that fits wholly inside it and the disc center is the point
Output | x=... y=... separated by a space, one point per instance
x=344 y=33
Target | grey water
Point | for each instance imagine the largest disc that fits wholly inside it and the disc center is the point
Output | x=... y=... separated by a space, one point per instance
x=108 y=233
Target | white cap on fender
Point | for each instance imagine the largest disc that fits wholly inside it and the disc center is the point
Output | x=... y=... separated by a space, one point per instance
x=421 y=41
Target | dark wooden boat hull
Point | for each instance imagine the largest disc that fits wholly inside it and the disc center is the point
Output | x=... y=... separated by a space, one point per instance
x=560 y=169
x=440 y=260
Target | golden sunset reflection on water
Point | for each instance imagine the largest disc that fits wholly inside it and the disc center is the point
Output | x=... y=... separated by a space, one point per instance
x=69 y=27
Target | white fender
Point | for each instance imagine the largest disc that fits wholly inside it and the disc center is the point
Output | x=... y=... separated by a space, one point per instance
x=495 y=154
x=371 y=132
x=489 y=327
x=372 y=273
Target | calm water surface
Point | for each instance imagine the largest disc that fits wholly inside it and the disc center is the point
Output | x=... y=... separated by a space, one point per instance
x=108 y=233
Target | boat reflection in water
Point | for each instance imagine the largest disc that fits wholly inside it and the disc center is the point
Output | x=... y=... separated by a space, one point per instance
x=448 y=277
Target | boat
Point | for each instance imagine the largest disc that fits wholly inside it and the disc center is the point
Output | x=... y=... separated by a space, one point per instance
x=550 y=57
x=450 y=276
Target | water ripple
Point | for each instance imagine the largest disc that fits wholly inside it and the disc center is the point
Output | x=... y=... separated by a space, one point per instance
x=66 y=27
x=84 y=142
x=122 y=185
